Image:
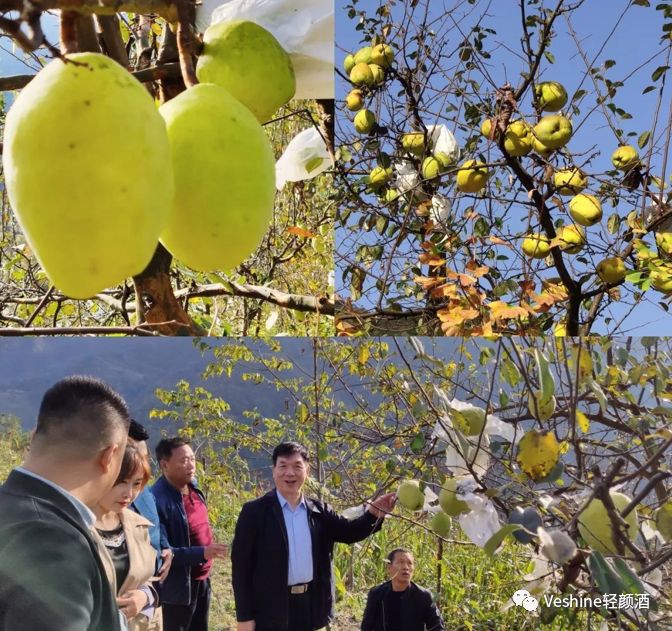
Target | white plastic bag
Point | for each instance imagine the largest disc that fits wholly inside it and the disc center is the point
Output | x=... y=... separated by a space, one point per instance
x=304 y=28
x=305 y=157
x=441 y=140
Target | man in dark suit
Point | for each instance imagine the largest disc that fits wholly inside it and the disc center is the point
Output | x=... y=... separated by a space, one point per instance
x=399 y=604
x=51 y=574
x=283 y=546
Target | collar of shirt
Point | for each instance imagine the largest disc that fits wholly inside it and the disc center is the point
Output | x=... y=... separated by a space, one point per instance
x=284 y=502
x=86 y=513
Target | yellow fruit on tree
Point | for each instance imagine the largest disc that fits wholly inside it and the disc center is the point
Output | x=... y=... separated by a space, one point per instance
x=551 y=96
x=585 y=210
x=486 y=127
x=540 y=147
x=348 y=63
x=224 y=179
x=536 y=246
x=431 y=168
x=71 y=140
x=570 y=181
x=250 y=63
x=414 y=142
x=660 y=273
x=539 y=409
x=664 y=242
x=595 y=526
x=553 y=131
x=364 y=55
x=444 y=159
x=571 y=239
x=448 y=500
x=472 y=176
x=664 y=520
x=625 y=158
x=538 y=453
x=365 y=120
x=378 y=74
x=611 y=270
x=379 y=177
x=355 y=100
x=383 y=55
x=410 y=496
x=361 y=75
x=518 y=138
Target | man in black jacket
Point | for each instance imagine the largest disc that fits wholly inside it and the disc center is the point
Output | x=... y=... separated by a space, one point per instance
x=51 y=574
x=283 y=546
x=399 y=604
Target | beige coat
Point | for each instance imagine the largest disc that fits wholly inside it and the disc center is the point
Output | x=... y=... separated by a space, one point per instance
x=142 y=563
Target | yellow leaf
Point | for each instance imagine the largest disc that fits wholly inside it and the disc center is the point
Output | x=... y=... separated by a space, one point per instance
x=363 y=354
x=538 y=453
x=582 y=421
x=501 y=311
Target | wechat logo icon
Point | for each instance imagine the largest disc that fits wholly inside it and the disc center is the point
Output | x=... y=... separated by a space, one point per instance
x=524 y=599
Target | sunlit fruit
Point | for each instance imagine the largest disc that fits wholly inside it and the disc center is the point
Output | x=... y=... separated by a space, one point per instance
x=431 y=168
x=664 y=242
x=355 y=100
x=553 y=131
x=440 y=524
x=570 y=181
x=472 y=176
x=410 y=496
x=363 y=55
x=486 y=127
x=664 y=520
x=250 y=63
x=551 y=96
x=518 y=138
x=414 y=142
x=365 y=121
x=540 y=409
x=361 y=75
x=661 y=277
x=391 y=195
x=445 y=160
x=585 y=210
x=611 y=270
x=448 y=500
x=380 y=176
x=383 y=55
x=538 y=454
x=469 y=420
x=90 y=221
x=536 y=246
x=595 y=525
x=348 y=63
x=224 y=179
x=625 y=158
x=378 y=74
x=540 y=147
x=571 y=238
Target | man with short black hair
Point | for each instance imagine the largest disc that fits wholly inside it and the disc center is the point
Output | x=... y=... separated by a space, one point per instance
x=51 y=573
x=283 y=547
x=399 y=604
x=183 y=513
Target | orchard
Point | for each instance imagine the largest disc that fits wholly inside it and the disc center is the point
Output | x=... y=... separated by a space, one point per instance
x=526 y=154
x=139 y=164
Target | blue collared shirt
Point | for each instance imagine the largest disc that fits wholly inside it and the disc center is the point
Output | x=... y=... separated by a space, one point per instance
x=300 y=543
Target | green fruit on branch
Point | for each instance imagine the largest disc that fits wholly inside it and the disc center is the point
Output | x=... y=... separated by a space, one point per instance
x=355 y=100
x=245 y=59
x=551 y=96
x=585 y=210
x=414 y=142
x=625 y=158
x=379 y=177
x=444 y=159
x=664 y=520
x=440 y=524
x=348 y=63
x=361 y=75
x=518 y=139
x=611 y=270
x=553 y=131
x=364 y=55
x=410 y=496
x=472 y=176
x=595 y=525
x=448 y=500
x=383 y=55
x=378 y=74
x=69 y=140
x=469 y=419
x=391 y=195
x=571 y=239
x=536 y=246
x=365 y=121
x=570 y=181
x=539 y=409
x=431 y=168
x=224 y=179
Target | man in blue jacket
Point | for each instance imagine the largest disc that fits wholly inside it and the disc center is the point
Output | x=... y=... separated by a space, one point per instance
x=185 y=594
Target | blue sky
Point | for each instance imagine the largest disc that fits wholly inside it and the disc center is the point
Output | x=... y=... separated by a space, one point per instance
x=614 y=30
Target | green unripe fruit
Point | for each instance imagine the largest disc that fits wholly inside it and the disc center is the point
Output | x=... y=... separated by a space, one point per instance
x=71 y=140
x=363 y=55
x=365 y=121
x=595 y=525
x=664 y=520
x=224 y=179
x=440 y=524
x=245 y=59
x=448 y=500
x=410 y=496
x=348 y=63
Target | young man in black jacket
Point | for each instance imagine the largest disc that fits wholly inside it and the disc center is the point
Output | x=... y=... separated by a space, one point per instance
x=283 y=546
x=399 y=604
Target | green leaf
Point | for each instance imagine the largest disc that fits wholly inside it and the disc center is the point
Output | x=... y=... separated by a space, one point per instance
x=643 y=139
x=496 y=540
x=606 y=580
x=612 y=223
x=659 y=72
x=549 y=55
x=418 y=443
x=546 y=380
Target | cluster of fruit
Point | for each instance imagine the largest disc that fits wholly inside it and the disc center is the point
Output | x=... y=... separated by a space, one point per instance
x=97 y=175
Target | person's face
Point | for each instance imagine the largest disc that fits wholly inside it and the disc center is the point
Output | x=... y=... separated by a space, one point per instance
x=401 y=568
x=290 y=473
x=123 y=493
x=180 y=467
